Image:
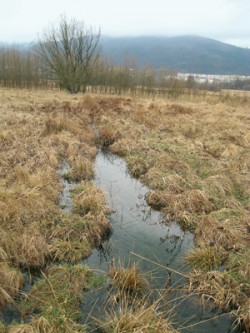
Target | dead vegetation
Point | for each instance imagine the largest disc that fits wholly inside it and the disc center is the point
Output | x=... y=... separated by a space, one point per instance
x=193 y=154
x=39 y=132
x=207 y=258
x=128 y=280
x=11 y=282
x=130 y=307
x=139 y=318
x=81 y=169
x=219 y=287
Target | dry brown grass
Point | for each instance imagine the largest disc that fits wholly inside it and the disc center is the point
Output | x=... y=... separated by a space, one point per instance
x=81 y=169
x=212 y=231
x=88 y=199
x=176 y=109
x=107 y=136
x=25 y=246
x=74 y=236
x=243 y=316
x=32 y=249
x=38 y=132
x=137 y=166
x=194 y=153
x=219 y=287
x=28 y=195
x=190 y=201
x=11 y=282
x=128 y=279
x=195 y=156
x=42 y=325
x=55 y=125
x=21 y=328
x=206 y=258
x=69 y=250
x=140 y=317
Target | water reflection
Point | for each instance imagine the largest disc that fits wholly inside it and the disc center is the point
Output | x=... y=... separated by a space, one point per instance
x=139 y=234
x=137 y=228
x=65 y=199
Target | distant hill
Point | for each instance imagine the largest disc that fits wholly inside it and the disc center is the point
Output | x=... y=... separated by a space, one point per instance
x=191 y=54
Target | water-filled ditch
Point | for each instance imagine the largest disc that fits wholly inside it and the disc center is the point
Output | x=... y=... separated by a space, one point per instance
x=140 y=234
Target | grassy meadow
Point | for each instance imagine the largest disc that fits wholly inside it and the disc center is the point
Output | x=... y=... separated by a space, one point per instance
x=193 y=154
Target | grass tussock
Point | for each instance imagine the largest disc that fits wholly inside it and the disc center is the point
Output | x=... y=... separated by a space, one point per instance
x=228 y=286
x=192 y=201
x=218 y=187
x=53 y=126
x=11 y=282
x=69 y=250
x=206 y=258
x=238 y=265
x=89 y=103
x=107 y=136
x=164 y=180
x=59 y=294
x=178 y=109
x=25 y=246
x=81 y=169
x=219 y=287
x=73 y=238
x=38 y=133
x=144 y=117
x=120 y=147
x=29 y=195
x=242 y=316
x=21 y=328
x=128 y=280
x=132 y=309
x=194 y=153
x=139 y=317
x=137 y=166
x=88 y=200
x=216 y=230
x=33 y=249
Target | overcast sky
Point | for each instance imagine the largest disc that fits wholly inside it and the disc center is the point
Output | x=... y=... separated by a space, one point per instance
x=225 y=20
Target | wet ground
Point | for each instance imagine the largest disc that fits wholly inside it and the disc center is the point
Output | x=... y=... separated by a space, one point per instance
x=139 y=234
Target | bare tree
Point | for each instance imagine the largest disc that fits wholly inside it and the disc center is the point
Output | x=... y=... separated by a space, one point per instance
x=70 y=51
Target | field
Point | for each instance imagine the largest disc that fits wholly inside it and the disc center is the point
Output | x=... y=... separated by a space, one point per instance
x=193 y=154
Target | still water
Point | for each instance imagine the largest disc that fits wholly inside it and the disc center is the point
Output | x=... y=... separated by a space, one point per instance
x=140 y=235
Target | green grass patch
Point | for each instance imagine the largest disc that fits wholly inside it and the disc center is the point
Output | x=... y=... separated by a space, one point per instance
x=57 y=296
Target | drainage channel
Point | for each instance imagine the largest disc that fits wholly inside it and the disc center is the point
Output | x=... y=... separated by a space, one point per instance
x=140 y=235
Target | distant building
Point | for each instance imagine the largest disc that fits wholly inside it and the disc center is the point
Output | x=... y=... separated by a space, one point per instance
x=212 y=78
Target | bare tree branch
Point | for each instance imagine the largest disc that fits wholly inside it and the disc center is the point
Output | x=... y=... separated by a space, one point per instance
x=70 y=51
